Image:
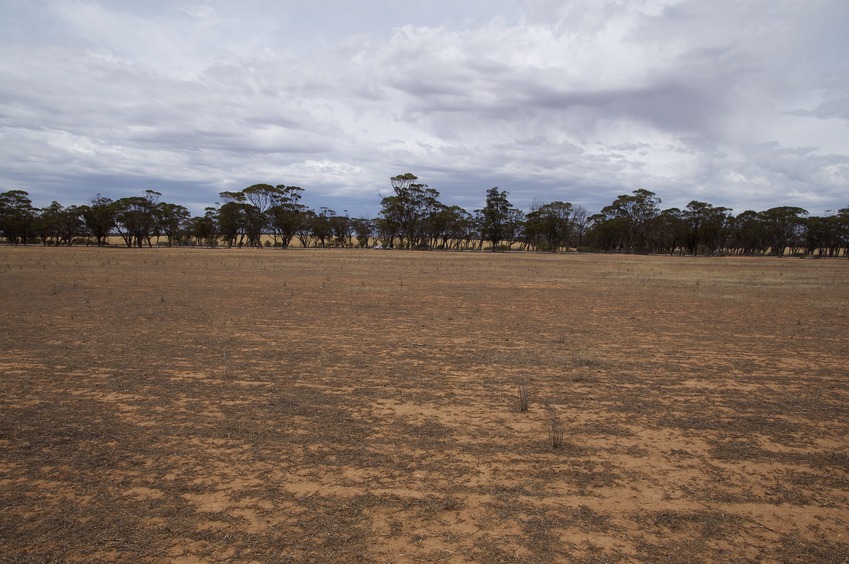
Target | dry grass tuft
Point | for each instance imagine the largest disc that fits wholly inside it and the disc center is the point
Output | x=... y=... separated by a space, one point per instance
x=556 y=431
x=523 y=400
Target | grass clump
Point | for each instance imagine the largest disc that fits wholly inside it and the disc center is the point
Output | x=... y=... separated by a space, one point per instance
x=556 y=431
x=524 y=396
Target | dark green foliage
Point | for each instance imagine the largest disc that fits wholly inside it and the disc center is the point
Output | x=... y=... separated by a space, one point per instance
x=413 y=217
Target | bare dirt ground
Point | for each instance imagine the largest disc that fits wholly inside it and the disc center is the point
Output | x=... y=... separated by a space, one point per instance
x=307 y=405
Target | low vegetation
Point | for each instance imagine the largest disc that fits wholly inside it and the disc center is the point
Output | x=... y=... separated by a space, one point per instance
x=345 y=406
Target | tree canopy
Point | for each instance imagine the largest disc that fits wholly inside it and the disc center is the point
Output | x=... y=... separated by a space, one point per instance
x=413 y=217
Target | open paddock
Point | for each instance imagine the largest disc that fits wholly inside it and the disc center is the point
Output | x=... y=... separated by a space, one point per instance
x=199 y=405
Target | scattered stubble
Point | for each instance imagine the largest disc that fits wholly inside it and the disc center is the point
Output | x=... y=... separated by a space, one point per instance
x=358 y=418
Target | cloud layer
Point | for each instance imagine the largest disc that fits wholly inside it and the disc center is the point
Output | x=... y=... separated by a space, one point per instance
x=743 y=105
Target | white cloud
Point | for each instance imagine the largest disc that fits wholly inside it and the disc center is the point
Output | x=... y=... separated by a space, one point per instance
x=577 y=101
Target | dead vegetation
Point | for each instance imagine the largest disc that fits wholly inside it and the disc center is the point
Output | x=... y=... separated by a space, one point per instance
x=297 y=406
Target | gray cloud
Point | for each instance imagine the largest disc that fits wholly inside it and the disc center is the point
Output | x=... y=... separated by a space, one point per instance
x=742 y=105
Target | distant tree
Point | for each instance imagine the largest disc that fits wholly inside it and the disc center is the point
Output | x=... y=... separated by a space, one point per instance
x=634 y=213
x=70 y=225
x=707 y=227
x=604 y=232
x=205 y=228
x=17 y=216
x=495 y=218
x=47 y=223
x=232 y=219
x=304 y=231
x=386 y=231
x=258 y=200
x=172 y=221
x=447 y=227
x=580 y=224
x=515 y=227
x=322 y=228
x=363 y=229
x=843 y=230
x=669 y=231
x=549 y=226
x=746 y=234
x=783 y=228
x=57 y=225
x=413 y=217
x=826 y=235
x=287 y=214
x=625 y=224
x=404 y=213
x=99 y=218
x=396 y=211
x=533 y=229
x=461 y=229
x=135 y=218
x=341 y=229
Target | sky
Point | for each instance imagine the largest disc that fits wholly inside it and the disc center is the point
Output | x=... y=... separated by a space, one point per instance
x=741 y=104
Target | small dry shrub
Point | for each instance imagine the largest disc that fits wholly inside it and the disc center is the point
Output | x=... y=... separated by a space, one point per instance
x=524 y=397
x=555 y=430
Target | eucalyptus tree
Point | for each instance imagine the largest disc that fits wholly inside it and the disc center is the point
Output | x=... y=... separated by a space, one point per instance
x=172 y=221
x=363 y=229
x=204 y=228
x=403 y=214
x=341 y=230
x=447 y=227
x=625 y=222
x=843 y=233
x=822 y=235
x=707 y=227
x=783 y=228
x=249 y=209
x=515 y=227
x=58 y=225
x=602 y=232
x=70 y=225
x=669 y=231
x=287 y=214
x=548 y=227
x=386 y=231
x=99 y=218
x=461 y=228
x=46 y=224
x=304 y=231
x=321 y=227
x=135 y=218
x=498 y=220
x=256 y=201
x=231 y=220
x=580 y=224
x=17 y=216
x=746 y=234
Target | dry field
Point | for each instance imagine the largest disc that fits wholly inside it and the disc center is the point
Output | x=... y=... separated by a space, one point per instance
x=342 y=405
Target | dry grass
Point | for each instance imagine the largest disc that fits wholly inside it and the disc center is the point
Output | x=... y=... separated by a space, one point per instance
x=246 y=405
x=524 y=399
x=556 y=431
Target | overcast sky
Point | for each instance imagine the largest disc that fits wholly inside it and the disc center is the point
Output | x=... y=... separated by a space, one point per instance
x=740 y=103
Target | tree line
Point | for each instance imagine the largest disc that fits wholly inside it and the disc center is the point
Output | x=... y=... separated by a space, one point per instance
x=413 y=217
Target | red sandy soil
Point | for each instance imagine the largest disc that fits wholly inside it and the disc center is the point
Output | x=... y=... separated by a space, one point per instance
x=344 y=405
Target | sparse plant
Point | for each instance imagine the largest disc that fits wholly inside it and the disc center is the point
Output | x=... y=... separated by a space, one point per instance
x=524 y=397
x=555 y=430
